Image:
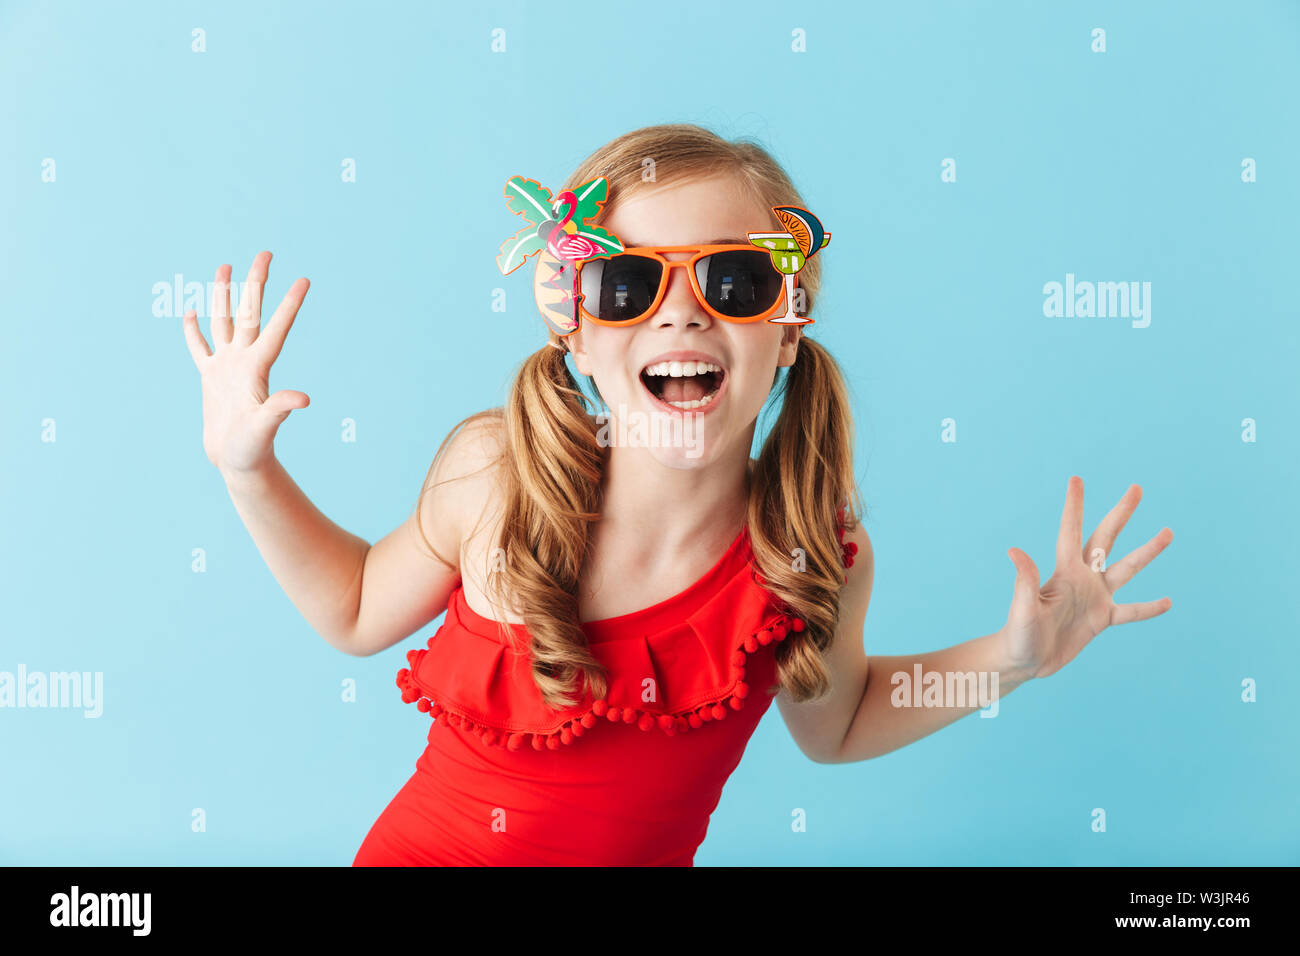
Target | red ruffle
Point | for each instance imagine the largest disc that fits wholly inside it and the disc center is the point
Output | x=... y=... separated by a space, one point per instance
x=694 y=647
x=568 y=725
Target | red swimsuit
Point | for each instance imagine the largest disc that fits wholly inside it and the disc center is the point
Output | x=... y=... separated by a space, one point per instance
x=627 y=780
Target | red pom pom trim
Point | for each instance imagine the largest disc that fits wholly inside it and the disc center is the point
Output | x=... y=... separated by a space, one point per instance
x=671 y=724
x=847 y=548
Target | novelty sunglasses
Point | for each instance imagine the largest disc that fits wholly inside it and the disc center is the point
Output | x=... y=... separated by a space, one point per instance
x=734 y=283
x=585 y=271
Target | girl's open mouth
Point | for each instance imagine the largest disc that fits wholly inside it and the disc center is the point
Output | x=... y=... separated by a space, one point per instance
x=684 y=386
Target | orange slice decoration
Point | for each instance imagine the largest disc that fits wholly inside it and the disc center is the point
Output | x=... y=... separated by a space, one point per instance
x=797 y=229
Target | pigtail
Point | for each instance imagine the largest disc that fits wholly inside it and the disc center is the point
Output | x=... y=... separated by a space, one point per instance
x=551 y=498
x=802 y=492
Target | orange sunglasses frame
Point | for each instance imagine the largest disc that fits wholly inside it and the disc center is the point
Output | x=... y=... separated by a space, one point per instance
x=700 y=251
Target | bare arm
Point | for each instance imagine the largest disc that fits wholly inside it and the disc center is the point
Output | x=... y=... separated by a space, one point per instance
x=863 y=689
x=818 y=726
x=317 y=563
x=359 y=598
x=888 y=717
x=1046 y=628
x=401 y=586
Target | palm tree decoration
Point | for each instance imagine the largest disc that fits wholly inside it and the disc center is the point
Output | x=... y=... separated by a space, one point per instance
x=557 y=230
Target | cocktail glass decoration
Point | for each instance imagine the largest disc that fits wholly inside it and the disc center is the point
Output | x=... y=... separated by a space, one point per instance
x=791 y=251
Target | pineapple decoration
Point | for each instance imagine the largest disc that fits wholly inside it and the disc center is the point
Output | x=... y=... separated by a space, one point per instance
x=558 y=233
x=791 y=251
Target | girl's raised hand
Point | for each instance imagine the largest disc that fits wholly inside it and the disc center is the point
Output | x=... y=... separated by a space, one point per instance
x=239 y=418
x=1048 y=625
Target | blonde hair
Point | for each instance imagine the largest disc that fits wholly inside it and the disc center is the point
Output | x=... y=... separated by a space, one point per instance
x=552 y=463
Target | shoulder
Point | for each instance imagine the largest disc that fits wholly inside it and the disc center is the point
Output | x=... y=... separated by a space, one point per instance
x=462 y=483
x=818 y=725
x=857 y=535
x=859 y=568
x=475 y=442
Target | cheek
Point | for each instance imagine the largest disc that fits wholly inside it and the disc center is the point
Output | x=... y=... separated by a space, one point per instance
x=607 y=367
x=759 y=384
x=597 y=349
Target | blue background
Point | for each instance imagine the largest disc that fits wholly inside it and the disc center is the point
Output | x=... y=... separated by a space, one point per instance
x=1117 y=166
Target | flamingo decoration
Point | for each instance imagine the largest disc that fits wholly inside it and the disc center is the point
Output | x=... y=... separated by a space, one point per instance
x=565 y=246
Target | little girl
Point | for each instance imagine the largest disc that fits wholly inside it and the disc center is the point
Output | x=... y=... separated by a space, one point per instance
x=619 y=616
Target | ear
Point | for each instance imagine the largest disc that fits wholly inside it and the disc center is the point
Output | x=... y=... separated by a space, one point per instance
x=790 y=336
x=581 y=360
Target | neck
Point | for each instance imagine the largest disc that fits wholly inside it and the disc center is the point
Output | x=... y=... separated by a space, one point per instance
x=676 y=509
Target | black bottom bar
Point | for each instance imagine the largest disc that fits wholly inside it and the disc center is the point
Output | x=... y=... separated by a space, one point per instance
x=973 y=905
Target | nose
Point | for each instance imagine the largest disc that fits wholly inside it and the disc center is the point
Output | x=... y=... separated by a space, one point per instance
x=680 y=308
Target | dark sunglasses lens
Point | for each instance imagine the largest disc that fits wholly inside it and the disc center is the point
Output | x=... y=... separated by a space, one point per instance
x=741 y=283
x=621 y=288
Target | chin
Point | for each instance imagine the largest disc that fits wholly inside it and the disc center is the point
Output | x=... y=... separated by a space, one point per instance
x=682 y=441
x=701 y=455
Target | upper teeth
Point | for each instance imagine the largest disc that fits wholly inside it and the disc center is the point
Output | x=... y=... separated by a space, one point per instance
x=679 y=369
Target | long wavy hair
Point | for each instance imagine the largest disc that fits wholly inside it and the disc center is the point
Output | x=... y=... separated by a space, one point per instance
x=551 y=464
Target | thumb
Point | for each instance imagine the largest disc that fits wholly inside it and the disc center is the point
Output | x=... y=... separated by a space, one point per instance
x=279 y=405
x=1026 y=590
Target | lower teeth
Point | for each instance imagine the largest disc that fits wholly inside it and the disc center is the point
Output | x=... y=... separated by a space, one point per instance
x=657 y=391
x=695 y=404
